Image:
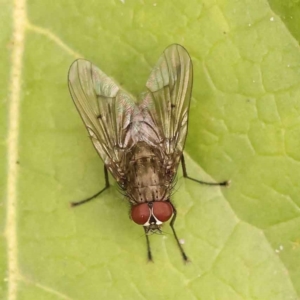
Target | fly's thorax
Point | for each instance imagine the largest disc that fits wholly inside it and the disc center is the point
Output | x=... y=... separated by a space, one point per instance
x=147 y=177
x=152 y=215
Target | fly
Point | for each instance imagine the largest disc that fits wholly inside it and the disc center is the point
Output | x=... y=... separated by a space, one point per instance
x=141 y=144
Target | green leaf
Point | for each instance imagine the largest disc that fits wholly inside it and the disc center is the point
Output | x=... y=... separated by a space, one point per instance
x=243 y=240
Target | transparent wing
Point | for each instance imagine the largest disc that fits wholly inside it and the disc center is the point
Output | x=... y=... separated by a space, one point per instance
x=166 y=104
x=106 y=111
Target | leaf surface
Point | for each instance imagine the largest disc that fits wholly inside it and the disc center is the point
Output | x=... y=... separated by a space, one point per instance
x=243 y=241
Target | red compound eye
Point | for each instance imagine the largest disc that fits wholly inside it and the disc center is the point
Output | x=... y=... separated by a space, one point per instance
x=140 y=213
x=162 y=210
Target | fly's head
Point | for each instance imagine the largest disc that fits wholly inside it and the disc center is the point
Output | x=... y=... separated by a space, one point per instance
x=152 y=215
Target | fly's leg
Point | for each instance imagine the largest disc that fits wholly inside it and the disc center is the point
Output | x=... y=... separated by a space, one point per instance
x=185 y=175
x=184 y=256
x=96 y=195
x=149 y=254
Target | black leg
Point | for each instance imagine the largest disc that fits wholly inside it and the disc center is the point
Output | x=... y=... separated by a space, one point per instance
x=185 y=175
x=184 y=256
x=94 y=196
x=149 y=254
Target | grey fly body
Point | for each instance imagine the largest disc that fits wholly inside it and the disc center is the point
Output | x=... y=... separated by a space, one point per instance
x=142 y=144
